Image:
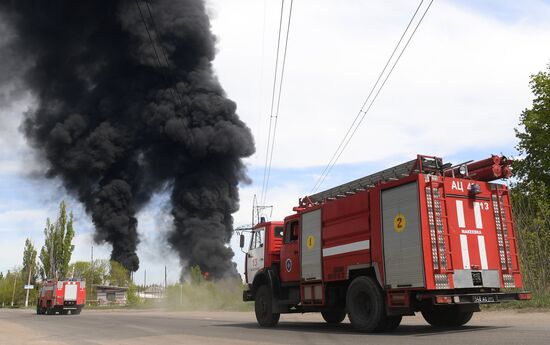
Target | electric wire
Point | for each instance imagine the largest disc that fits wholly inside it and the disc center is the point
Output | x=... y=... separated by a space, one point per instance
x=172 y=91
x=163 y=50
x=261 y=72
x=335 y=154
x=362 y=113
x=268 y=146
x=278 y=101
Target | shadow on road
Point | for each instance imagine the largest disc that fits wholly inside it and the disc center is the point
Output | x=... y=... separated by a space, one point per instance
x=346 y=328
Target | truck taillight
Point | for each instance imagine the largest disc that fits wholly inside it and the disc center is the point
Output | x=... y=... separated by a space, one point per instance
x=525 y=296
x=443 y=299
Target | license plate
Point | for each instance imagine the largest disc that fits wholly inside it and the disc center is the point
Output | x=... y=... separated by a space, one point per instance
x=484 y=299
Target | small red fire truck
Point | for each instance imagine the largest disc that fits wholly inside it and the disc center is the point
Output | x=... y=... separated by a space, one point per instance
x=422 y=236
x=61 y=296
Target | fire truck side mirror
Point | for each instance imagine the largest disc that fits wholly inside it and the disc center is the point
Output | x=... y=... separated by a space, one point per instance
x=241 y=243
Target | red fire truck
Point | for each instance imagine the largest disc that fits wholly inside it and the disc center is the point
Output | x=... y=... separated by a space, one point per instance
x=61 y=296
x=422 y=236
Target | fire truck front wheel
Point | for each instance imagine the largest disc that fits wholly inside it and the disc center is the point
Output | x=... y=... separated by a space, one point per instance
x=448 y=317
x=263 y=307
x=365 y=305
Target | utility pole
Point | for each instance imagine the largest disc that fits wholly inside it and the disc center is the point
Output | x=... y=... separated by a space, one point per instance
x=144 y=279
x=181 y=292
x=28 y=290
x=14 y=282
x=165 y=278
x=92 y=273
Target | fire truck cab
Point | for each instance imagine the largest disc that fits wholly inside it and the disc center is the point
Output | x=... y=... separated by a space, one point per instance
x=412 y=238
x=61 y=296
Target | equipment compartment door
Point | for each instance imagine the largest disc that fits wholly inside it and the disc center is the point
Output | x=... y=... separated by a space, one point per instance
x=70 y=292
x=310 y=246
x=403 y=259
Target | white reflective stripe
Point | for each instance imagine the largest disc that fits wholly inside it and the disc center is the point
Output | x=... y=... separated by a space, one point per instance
x=346 y=248
x=465 y=252
x=482 y=252
x=477 y=215
x=460 y=214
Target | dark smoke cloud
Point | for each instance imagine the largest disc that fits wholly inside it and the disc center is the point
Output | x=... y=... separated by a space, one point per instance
x=114 y=130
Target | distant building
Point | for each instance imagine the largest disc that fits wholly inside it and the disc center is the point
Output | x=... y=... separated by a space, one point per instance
x=152 y=292
x=111 y=295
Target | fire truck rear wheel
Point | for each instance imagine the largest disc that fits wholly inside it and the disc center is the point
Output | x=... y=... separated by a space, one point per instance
x=334 y=316
x=264 y=308
x=447 y=317
x=365 y=305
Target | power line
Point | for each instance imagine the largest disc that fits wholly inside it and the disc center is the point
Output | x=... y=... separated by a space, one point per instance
x=332 y=159
x=261 y=72
x=278 y=100
x=172 y=91
x=274 y=116
x=268 y=146
x=163 y=50
x=362 y=112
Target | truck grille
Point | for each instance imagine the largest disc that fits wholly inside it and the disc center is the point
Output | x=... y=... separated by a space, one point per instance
x=477 y=279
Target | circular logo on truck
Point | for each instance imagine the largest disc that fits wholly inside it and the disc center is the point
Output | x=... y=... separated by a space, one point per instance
x=399 y=222
x=288 y=265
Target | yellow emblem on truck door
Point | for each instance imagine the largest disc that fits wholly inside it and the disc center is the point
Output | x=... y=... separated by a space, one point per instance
x=310 y=242
x=399 y=222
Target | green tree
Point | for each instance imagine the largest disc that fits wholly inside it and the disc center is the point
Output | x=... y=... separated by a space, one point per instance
x=531 y=193
x=11 y=288
x=118 y=275
x=93 y=275
x=534 y=139
x=29 y=270
x=30 y=267
x=58 y=248
x=132 y=295
x=197 y=276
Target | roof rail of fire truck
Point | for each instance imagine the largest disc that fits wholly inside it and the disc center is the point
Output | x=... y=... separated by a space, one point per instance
x=422 y=164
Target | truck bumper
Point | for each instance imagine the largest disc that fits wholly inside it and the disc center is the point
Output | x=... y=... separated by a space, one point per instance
x=474 y=298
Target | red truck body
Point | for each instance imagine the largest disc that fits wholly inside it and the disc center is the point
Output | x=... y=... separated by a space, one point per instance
x=61 y=296
x=406 y=239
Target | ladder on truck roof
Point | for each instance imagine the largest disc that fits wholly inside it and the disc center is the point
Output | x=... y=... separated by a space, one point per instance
x=422 y=164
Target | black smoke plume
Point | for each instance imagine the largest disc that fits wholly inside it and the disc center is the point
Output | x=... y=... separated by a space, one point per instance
x=119 y=118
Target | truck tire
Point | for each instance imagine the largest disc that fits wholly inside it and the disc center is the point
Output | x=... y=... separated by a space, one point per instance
x=76 y=312
x=365 y=305
x=449 y=317
x=334 y=316
x=264 y=308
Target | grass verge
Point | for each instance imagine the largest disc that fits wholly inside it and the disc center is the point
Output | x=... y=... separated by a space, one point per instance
x=539 y=302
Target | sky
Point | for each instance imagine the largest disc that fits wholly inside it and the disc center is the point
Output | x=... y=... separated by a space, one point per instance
x=457 y=93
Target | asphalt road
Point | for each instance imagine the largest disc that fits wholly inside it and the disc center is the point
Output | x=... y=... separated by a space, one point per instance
x=159 y=327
